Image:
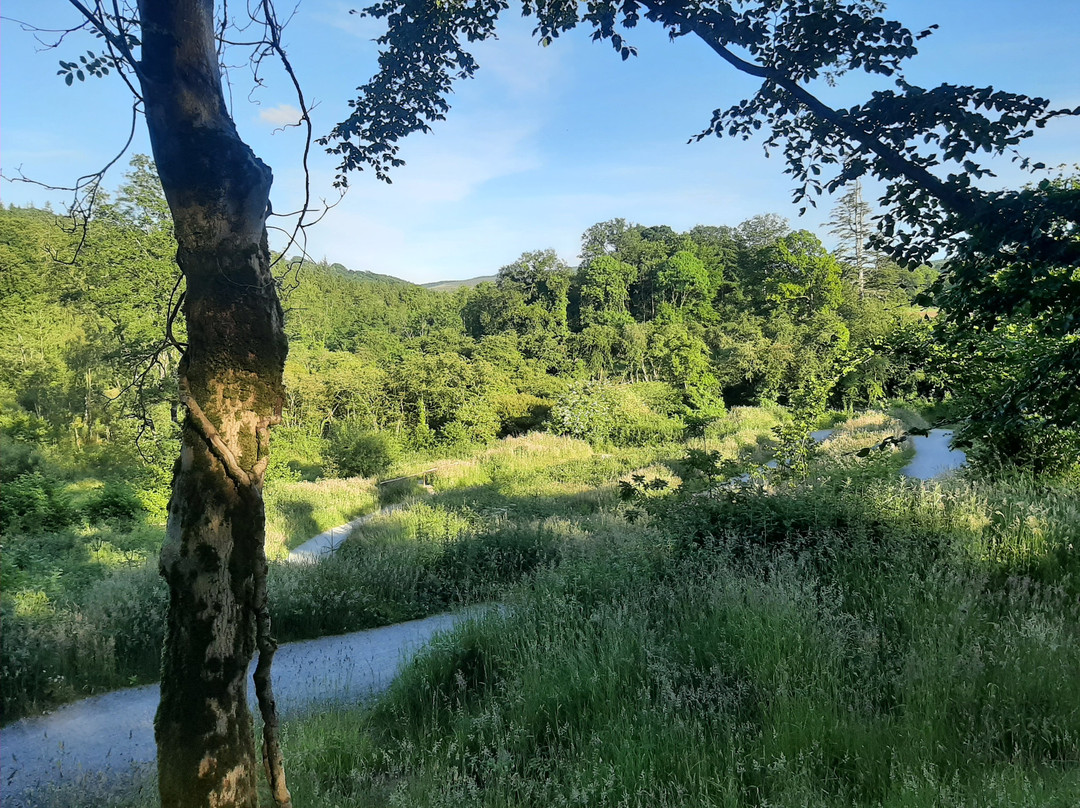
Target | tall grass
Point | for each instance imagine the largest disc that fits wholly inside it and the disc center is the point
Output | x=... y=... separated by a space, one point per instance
x=296 y=511
x=845 y=639
x=84 y=607
x=494 y=518
x=835 y=642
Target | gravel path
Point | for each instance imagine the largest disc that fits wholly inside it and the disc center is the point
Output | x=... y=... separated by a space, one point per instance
x=933 y=456
x=328 y=541
x=105 y=744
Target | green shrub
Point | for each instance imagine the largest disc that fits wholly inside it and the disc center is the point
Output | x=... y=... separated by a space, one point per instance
x=614 y=414
x=358 y=451
x=116 y=501
x=635 y=422
x=18 y=458
x=35 y=502
x=519 y=413
x=475 y=423
x=296 y=453
x=660 y=397
x=581 y=413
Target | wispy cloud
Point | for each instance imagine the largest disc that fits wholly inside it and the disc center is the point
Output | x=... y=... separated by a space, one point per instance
x=281 y=115
x=344 y=17
x=462 y=159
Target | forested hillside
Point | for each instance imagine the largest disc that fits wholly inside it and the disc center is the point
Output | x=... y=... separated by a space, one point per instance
x=654 y=330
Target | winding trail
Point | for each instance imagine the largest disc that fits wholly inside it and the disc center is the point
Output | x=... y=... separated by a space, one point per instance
x=104 y=745
x=318 y=547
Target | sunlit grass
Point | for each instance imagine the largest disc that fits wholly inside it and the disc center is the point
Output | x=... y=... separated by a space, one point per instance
x=882 y=643
x=745 y=433
x=296 y=511
x=852 y=638
x=92 y=618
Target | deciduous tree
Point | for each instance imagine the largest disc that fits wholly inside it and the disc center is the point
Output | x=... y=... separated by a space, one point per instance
x=230 y=382
x=1007 y=251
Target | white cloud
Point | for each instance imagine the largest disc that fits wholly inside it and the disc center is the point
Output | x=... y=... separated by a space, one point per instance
x=281 y=115
x=518 y=63
x=465 y=156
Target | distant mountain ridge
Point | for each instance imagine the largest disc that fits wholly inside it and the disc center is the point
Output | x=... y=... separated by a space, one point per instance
x=364 y=275
x=449 y=286
x=376 y=277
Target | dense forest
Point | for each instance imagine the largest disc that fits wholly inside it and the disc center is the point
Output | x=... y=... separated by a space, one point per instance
x=650 y=339
x=653 y=331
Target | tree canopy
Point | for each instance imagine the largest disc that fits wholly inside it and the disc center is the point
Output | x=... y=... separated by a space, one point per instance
x=1009 y=255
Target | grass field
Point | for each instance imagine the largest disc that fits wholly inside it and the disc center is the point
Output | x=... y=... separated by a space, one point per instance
x=847 y=639
x=843 y=638
x=83 y=605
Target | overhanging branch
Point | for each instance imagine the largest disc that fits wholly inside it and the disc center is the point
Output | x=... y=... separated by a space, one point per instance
x=895 y=164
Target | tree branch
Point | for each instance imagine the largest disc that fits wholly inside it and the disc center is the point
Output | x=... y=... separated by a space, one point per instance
x=212 y=437
x=118 y=42
x=896 y=164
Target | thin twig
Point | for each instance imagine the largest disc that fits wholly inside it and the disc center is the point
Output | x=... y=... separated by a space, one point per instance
x=119 y=42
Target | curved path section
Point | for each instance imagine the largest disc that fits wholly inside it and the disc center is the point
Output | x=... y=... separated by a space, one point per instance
x=327 y=542
x=105 y=744
x=933 y=455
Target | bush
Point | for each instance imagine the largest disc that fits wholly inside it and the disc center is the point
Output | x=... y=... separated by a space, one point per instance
x=474 y=423
x=18 y=458
x=296 y=453
x=115 y=501
x=1029 y=443
x=660 y=397
x=361 y=452
x=635 y=422
x=615 y=414
x=520 y=413
x=33 y=500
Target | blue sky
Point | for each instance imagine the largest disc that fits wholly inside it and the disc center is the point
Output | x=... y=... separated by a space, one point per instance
x=542 y=144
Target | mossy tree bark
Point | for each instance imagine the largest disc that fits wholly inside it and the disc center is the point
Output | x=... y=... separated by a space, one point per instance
x=231 y=385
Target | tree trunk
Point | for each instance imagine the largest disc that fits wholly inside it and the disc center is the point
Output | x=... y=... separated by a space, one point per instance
x=231 y=385
x=860 y=236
